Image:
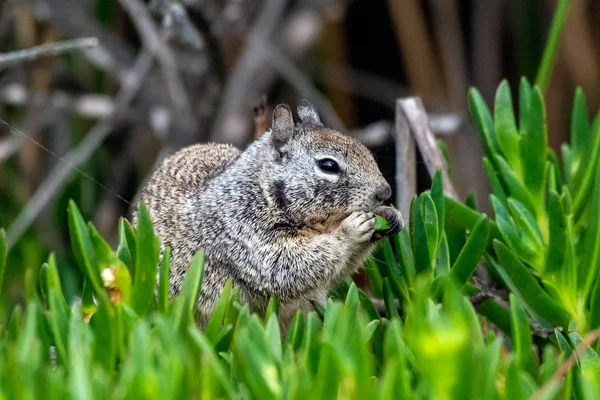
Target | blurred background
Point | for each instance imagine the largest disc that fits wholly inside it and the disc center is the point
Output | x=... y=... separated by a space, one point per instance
x=90 y=124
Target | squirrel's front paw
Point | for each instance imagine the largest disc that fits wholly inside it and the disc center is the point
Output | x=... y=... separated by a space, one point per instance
x=394 y=217
x=358 y=226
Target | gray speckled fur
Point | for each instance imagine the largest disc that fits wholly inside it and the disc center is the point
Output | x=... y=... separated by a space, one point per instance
x=267 y=217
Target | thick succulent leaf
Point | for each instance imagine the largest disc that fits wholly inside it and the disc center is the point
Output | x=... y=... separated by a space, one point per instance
x=558 y=241
x=590 y=258
x=497 y=314
x=58 y=318
x=584 y=181
x=530 y=233
x=533 y=147
x=589 y=361
x=83 y=249
x=522 y=338
x=211 y=357
x=471 y=253
x=484 y=124
x=553 y=164
x=374 y=276
x=391 y=310
x=102 y=250
x=106 y=335
x=506 y=127
x=294 y=335
x=518 y=278
x=512 y=235
x=163 y=281
x=367 y=306
x=459 y=215
x=311 y=346
x=437 y=195
x=146 y=263
x=272 y=308
x=425 y=234
x=217 y=318
x=128 y=240
x=515 y=188
x=526 y=221
x=580 y=130
x=494 y=180
x=525 y=90
x=567 y=156
x=405 y=257
x=442 y=262
x=186 y=304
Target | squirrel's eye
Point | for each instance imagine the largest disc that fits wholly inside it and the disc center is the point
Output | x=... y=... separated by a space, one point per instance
x=329 y=165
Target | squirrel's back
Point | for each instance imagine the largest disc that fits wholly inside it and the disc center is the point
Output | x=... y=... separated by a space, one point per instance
x=179 y=177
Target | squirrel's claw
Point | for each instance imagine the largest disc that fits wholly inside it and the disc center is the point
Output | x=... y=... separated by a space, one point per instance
x=394 y=217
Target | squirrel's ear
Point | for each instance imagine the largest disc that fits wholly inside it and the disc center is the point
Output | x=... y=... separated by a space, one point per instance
x=308 y=114
x=283 y=125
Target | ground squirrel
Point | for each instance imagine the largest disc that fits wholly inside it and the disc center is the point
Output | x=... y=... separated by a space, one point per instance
x=289 y=216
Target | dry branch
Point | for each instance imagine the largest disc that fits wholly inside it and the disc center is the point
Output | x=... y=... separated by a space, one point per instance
x=50 y=49
x=415 y=114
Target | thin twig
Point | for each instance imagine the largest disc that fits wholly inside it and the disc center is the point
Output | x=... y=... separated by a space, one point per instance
x=50 y=49
x=59 y=175
x=565 y=367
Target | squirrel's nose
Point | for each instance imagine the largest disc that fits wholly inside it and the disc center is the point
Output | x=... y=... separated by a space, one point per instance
x=383 y=193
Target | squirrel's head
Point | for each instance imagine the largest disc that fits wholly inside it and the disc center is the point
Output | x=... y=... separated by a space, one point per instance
x=318 y=175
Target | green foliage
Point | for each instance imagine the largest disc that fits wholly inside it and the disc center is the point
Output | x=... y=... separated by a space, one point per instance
x=547 y=216
x=113 y=347
x=412 y=333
